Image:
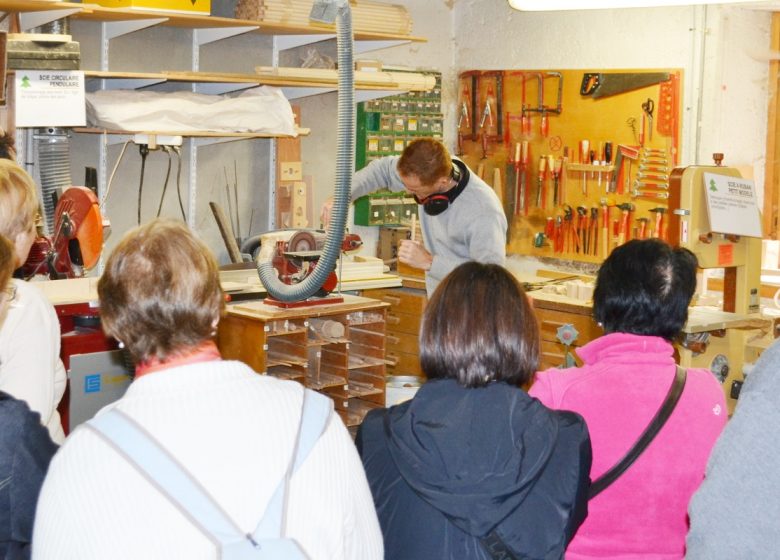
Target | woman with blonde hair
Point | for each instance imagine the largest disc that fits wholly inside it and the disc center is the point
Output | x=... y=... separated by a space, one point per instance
x=30 y=336
x=25 y=445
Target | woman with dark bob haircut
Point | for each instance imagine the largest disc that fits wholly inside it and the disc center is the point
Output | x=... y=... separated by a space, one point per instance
x=235 y=432
x=641 y=300
x=472 y=467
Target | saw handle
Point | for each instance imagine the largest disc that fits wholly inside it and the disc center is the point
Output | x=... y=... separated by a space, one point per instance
x=590 y=83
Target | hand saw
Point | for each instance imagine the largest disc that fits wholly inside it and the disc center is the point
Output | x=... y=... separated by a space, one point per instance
x=602 y=84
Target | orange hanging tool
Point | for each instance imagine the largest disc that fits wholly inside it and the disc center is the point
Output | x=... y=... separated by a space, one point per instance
x=540 y=198
x=594 y=227
x=517 y=202
x=584 y=158
x=642 y=227
x=660 y=230
x=605 y=218
x=625 y=220
x=522 y=195
x=556 y=168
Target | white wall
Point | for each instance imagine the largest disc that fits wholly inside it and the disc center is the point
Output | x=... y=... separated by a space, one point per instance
x=722 y=51
x=433 y=21
x=724 y=90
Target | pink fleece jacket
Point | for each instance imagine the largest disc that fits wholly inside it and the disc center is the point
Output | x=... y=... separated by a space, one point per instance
x=618 y=390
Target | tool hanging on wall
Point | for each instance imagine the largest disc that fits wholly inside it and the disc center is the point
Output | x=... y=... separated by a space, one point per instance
x=556 y=166
x=648 y=107
x=603 y=84
x=540 y=195
x=668 y=110
x=486 y=121
x=522 y=202
x=584 y=158
x=464 y=117
x=541 y=108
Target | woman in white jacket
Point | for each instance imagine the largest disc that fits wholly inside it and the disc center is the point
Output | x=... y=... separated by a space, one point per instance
x=231 y=429
x=30 y=336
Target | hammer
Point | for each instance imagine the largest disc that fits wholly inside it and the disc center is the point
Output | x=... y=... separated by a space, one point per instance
x=643 y=227
x=660 y=231
x=625 y=214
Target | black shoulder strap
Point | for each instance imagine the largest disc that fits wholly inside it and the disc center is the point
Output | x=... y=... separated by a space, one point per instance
x=647 y=436
x=497 y=548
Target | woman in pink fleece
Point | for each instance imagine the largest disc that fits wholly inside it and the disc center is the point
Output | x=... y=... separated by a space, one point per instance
x=641 y=300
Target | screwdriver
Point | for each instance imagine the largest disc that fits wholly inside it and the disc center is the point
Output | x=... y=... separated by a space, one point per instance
x=584 y=154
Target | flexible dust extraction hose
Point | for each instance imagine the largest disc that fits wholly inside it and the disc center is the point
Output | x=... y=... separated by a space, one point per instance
x=344 y=168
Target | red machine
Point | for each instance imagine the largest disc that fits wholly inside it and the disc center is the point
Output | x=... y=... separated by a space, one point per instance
x=296 y=257
x=73 y=248
x=77 y=240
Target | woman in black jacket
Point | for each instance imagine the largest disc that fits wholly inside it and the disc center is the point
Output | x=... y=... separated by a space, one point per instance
x=472 y=467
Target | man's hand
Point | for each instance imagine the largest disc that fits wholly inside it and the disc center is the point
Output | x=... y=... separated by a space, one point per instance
x=325 y=211
x=414 y=254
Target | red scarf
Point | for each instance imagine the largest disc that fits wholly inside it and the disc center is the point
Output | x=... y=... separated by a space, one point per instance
x=206 y=352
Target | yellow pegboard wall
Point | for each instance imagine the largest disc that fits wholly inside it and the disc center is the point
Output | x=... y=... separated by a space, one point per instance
x=486 y=143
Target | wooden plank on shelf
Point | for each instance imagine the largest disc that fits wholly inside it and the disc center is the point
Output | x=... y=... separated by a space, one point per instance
x=301 y=77
x=92 y=12
x=403 y=80
x=190 y=133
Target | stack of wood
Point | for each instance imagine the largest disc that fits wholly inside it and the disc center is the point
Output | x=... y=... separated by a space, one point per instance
x=367 y=17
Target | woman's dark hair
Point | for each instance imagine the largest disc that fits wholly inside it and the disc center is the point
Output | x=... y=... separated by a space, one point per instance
x=644 y=287
x=160 y=292
x=479 y=327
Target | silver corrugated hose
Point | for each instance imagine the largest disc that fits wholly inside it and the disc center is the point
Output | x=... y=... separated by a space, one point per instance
x=344 y=163
x=53 y=146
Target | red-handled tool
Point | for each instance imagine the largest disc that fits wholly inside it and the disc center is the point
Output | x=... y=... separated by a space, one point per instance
x=522 y=201
x=540 y=198
x=625 y=220
x=660 y=230
x=557 y=183
x=516 y=202
x=584 y=158
x=642 y=227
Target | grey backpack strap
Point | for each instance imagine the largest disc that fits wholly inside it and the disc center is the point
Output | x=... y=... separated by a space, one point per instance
x=164 y=472
x=315 y=415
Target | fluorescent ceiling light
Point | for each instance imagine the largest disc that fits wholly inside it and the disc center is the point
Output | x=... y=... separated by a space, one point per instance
x=550 y=5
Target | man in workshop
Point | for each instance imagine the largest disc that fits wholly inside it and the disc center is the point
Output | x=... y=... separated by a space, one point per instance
x=460 y=216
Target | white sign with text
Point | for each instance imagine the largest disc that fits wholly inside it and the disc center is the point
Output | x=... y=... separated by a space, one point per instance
x=50 y=98
x=732 y=205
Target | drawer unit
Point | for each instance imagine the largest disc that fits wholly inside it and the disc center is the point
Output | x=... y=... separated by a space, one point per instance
x=403 y=328
x=403 y=363
x=337 y=349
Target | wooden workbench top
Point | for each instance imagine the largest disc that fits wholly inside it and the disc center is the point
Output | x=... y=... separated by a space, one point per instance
x=261 y=310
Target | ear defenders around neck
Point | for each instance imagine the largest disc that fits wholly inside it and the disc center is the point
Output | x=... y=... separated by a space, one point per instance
x=434 y=204
x=439 y=202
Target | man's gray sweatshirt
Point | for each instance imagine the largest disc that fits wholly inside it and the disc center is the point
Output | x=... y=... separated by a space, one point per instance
x=473 y=228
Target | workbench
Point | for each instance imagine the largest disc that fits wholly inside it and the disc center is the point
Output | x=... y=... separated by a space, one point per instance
x=719 y=341
x=299 y=344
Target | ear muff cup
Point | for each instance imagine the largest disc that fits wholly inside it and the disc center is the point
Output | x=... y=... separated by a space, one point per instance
x=436 y=204
x=439 y=202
